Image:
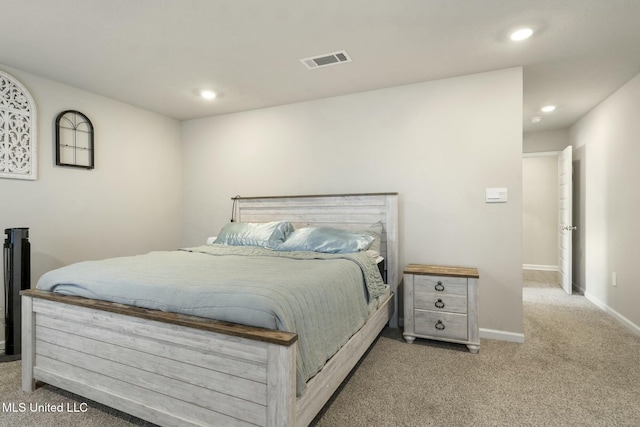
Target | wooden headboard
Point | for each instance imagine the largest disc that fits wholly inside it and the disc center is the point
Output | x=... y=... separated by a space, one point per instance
x=347 y=211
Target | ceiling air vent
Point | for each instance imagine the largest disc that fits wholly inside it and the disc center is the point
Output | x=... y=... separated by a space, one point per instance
x=326 y=60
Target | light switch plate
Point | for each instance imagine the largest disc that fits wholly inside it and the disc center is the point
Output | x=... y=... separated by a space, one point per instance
x=496 y=195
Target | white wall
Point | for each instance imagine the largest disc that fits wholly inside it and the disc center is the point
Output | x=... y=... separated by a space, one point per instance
x=540 y=212
x=606 y=176
x=546 y=140
x=439 y=144
x=130 y=203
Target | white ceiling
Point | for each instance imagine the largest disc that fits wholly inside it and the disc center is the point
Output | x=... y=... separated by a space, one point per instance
x=157 y=54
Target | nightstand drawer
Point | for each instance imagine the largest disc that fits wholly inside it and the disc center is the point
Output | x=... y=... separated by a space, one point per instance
x=441 y=284
x=441 y=325
x=440 y=302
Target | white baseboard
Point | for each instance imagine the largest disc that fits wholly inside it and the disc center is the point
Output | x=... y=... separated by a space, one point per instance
x=540 y=267
x=493 y=334
x=619 y=317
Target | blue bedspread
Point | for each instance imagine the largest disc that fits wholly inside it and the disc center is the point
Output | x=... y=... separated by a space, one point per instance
x=321 y=297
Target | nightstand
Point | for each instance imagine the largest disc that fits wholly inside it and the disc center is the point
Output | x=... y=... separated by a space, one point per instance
x=441 y=303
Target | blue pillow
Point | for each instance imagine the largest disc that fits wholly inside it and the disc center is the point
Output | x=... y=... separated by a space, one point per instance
x=326 y=240
x=374 y=231
x=266 y=235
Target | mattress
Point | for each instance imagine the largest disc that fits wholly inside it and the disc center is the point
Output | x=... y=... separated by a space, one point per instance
x=324 y=298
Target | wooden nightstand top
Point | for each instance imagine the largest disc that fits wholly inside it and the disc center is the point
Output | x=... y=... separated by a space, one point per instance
x=439 y=270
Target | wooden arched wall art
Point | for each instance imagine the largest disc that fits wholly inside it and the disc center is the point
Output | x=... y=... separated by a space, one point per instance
x=74 y=140
x=18 y=125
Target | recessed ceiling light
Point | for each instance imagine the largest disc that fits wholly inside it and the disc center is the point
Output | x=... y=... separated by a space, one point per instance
x=548 y=108
x=208 y=94
x=521 y=34
x=536 y=119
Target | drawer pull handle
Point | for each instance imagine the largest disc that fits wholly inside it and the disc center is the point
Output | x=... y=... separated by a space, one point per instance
x=440 y=325
x=439 y=287
x=439 y=303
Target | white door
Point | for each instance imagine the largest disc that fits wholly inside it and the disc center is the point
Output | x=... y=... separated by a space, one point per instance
x=565 y=215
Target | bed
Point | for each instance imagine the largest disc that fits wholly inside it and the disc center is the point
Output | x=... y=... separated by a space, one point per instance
x=176 y=369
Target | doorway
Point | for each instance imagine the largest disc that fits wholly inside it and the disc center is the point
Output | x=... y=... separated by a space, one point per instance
x=548 y=214
x=540 y=210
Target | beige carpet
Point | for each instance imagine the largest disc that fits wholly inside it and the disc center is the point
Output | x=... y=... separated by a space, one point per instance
x=577 y=367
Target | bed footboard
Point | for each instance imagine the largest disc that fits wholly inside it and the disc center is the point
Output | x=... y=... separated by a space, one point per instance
x=174 y=370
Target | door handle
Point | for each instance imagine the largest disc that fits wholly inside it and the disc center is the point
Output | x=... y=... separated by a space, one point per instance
x=569 y=227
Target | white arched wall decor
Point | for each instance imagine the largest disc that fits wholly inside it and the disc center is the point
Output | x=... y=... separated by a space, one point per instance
x=18 y=142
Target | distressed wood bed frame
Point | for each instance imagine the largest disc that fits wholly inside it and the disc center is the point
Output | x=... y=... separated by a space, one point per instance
x=177 y=370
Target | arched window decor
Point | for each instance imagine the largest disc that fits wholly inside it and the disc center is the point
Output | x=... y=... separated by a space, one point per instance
x=74 y=140
x=18 y=143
